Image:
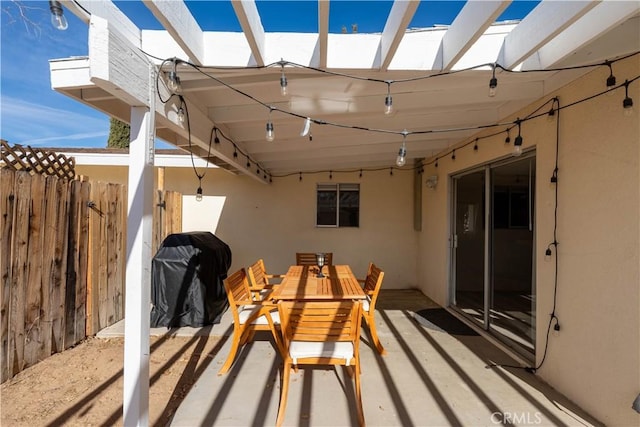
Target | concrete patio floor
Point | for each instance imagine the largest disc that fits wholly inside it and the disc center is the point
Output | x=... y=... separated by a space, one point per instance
x=429 y=377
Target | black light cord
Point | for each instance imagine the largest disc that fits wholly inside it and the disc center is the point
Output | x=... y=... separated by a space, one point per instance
x=193 y=164
x=510 y=125
x=553 y=316
x=377 y=130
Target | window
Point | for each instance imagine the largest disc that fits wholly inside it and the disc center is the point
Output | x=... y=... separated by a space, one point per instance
x=338 y=205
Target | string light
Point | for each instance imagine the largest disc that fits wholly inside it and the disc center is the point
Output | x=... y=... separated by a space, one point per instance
x=517 y=144
x=173 y=82
x=300 y=177
x=436 y=163
x=611 y=80
x=453 y=154
x=402 y=153
x=388 y=101
x=58 y=20
x=199 y=194
x=360 y=173
x=283 y=80
x=270 y=136
x=627 y=102
x=493 y=83
x=507 y=140
x=181 y=115
x=475 y=145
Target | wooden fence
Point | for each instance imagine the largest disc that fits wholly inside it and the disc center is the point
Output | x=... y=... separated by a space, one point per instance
x=62 y=261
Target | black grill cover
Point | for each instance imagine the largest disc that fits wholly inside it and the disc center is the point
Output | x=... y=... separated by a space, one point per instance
x=187 y=274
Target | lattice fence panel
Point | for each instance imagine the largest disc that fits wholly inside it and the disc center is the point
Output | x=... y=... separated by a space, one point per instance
x=36 y=161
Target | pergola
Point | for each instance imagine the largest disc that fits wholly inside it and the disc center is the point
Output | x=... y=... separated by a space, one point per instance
x=332 y=117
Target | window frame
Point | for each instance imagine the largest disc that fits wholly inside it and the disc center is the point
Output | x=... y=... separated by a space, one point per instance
x=336 y=188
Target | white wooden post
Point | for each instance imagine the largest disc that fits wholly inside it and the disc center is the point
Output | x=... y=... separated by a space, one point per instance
x=138 y=277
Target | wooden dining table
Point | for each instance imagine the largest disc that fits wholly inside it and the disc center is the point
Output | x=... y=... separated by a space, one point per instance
x=301 y=283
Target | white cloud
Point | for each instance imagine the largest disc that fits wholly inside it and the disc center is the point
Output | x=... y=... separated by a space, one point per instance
x=67 y=138
x=26 y=122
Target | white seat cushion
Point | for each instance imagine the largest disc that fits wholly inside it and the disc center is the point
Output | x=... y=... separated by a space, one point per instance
x=248 y=310
x=336 y=350
x=365 y=304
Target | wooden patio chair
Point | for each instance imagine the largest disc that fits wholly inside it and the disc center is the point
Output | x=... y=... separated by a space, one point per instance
x=320 y=333
x=259 y=280
x=249 y=316
x=309 y=258
x=371 y=286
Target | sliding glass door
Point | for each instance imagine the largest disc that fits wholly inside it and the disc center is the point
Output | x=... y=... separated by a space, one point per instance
x=493 y=266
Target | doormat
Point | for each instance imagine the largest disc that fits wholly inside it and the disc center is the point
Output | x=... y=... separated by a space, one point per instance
x=441 y=320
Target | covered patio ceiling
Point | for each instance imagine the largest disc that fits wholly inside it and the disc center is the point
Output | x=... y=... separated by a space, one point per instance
x=231 y=81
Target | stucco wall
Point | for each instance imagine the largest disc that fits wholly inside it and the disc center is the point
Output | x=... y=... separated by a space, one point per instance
x=595 y=357
x=275 y=221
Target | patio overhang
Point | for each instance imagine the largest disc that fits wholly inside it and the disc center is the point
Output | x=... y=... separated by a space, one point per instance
x=232 y=82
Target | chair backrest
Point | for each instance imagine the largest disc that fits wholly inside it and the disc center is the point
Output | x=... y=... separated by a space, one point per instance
x=258 y=274
x=320 y=320
x=372 y=284
x=309 y=258
x=237 y=287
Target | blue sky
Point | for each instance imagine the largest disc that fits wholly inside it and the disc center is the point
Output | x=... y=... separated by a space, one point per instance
x=31 y=113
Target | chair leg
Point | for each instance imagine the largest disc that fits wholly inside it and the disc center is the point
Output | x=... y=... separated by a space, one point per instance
x=232 y=353
x=371 y=323
x=286 y=372
x=359 y=395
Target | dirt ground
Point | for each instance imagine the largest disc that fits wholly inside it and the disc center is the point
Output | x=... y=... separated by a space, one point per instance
x=82 y=386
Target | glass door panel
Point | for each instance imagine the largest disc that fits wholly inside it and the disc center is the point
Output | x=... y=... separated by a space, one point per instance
x=512 y=285
x=468 y=244
x=493 y=269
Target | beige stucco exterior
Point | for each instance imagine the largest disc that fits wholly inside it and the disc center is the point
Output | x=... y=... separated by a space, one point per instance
x=595 y=358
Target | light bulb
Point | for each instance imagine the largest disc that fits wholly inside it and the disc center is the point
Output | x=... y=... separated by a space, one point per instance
x=517 y=146
x=493 y=83
x=402 y=156
x=611 y=80
x=283 y=84
x=181 y=115
x=270 y=136
x=493 y=86
x=199 y=194
x=627 y=103
x=57 y=16
x=388 y=105
x=173 y=82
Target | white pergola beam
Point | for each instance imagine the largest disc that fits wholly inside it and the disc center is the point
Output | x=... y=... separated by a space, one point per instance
x=472 y=21
x=180 y=23
x=399 y=18
x=323 y=31
x=592 y=25
x=540 y=26
x=85 y=9
x=249 y=18
x=120 y=69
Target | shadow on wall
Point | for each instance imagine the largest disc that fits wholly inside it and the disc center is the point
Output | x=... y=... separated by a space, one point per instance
x=202 y=215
